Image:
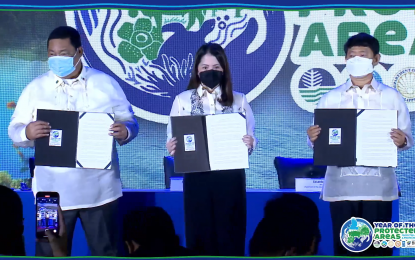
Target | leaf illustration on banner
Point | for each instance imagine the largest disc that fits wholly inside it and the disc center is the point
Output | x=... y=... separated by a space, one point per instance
x=312 y=89
x=312 y=78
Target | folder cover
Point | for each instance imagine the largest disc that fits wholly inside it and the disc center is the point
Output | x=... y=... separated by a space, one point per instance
x=193 y=128
x=64 y=136
x=336 y=143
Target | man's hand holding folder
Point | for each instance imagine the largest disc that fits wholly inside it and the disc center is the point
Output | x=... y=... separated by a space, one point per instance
x=313 y=132
x=119 y=131
x=398 y=137
x=37 y=129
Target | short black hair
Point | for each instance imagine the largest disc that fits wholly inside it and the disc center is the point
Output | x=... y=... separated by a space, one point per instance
x=11 y=203
x=65 y=32
x=12 y=213
x=293 y=201
x=363 y=40
x=290 y=221
x=152 y=228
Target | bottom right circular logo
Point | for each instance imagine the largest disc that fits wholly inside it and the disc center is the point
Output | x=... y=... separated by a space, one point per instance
x=356 y=235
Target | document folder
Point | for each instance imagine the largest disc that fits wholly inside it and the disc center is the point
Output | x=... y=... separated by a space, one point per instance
x=77 y=140
x=209 y=142
x=352 y=137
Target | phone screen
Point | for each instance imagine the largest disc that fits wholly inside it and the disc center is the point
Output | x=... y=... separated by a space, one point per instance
x=47 y=213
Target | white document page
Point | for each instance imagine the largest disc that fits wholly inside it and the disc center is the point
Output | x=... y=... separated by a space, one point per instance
x=374 y=146
x=227 y=151
x=94 y=142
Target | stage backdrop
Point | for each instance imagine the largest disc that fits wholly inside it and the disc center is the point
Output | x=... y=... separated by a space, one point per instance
x=283 y=61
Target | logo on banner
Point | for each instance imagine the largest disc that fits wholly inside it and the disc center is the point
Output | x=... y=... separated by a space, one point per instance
x=410 y=243
x=151 y=53
x=404 y=82
x=312 y=84
x=398 y=244
x=320 y=44
x=356 y=235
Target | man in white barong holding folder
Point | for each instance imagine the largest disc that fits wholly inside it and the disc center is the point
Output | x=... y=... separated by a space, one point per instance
x=88 y=194
x=363 y=192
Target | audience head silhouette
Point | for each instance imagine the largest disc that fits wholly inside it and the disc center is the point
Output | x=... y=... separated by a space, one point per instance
x=150 y=232
x=11 y=234
x=290 y=227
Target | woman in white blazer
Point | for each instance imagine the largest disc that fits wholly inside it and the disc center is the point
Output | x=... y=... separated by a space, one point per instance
x=215 y=201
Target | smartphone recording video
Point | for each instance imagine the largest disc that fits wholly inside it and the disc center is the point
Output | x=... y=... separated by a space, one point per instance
x=47 y=218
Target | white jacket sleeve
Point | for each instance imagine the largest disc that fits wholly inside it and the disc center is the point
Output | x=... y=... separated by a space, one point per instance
x=404 y=121
x=123 y=113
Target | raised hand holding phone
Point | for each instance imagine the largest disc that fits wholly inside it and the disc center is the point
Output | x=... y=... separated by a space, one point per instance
x=59 y=242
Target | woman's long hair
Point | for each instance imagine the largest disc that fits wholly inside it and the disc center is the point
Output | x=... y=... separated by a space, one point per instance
x=226 y=84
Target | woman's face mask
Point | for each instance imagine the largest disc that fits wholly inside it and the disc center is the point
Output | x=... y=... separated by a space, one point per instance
x=211 y=78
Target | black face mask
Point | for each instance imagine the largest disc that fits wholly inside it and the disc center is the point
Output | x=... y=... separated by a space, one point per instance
x=211 y=78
